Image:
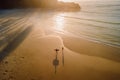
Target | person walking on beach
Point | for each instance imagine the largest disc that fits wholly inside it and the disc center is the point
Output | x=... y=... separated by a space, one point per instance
x=63 y=56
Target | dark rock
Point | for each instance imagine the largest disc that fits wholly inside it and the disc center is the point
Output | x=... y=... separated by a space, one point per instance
x=69 y=6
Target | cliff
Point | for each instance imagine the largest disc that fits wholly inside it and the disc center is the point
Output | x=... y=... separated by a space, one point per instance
x=46 y=4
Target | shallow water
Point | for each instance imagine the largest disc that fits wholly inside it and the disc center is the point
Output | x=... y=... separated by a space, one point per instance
x=97 y=20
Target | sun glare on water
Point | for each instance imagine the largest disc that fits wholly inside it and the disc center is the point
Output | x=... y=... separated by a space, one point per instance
x=59 y=23
x=65 y=0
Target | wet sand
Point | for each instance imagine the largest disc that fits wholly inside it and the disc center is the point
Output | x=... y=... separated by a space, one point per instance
x=82 y=60
x=91 y=48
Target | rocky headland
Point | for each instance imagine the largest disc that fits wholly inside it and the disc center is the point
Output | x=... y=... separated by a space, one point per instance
x=45 y=4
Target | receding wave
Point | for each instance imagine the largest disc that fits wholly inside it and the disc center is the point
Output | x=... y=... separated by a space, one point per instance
x=116 y=23
x=108 y=5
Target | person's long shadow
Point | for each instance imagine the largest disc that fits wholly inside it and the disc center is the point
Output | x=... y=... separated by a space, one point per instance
x=15 y=43
x=56 y=61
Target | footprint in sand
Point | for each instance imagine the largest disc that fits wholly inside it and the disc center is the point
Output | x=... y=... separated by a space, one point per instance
x=22 y=57
x=4 y=79
x=4 y=73
x=6 y=62
x=11 y=77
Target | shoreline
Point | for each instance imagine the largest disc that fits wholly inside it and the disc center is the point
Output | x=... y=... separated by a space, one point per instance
x=88 y=47
x=33 y=58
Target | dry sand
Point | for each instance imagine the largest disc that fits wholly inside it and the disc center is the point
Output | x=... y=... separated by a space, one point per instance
x=33 y=60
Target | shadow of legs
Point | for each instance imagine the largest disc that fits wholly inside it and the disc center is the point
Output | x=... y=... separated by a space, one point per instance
x=15 y=43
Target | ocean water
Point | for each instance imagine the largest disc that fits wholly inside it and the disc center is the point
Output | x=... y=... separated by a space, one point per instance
x=98 y=20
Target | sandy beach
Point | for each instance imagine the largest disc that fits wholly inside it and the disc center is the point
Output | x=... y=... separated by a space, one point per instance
x=80 y=59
